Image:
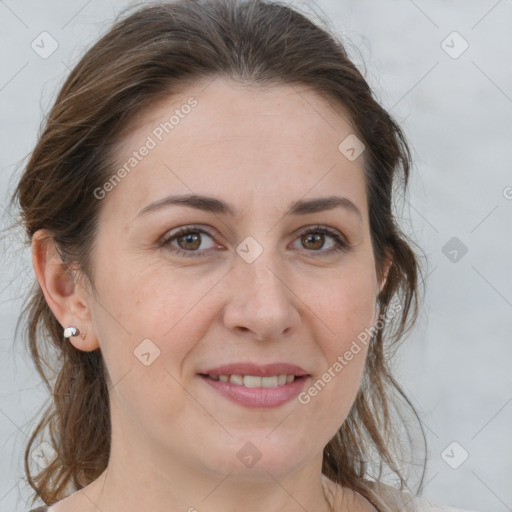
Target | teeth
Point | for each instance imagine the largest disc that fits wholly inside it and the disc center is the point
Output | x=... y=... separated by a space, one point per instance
x=237 y=379
x=253 y=381
x=250 y=381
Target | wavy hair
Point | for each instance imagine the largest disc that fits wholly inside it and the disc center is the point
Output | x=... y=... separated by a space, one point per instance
x=149 y=54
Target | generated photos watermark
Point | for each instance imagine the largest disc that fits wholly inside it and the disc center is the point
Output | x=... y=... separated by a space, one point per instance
x=363 y=338
x=151 y=142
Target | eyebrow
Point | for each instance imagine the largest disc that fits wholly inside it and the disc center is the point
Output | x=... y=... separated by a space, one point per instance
x=217 y=206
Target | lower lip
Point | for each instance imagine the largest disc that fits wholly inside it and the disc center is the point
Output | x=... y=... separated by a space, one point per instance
x=257 y=397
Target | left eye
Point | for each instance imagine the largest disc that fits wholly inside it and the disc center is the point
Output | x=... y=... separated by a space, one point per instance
x=189 y=240
x=315 y=238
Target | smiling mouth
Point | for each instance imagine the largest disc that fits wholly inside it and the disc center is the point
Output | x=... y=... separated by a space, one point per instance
x=254 y=381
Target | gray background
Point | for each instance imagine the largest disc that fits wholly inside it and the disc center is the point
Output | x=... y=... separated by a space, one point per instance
x=457 y=113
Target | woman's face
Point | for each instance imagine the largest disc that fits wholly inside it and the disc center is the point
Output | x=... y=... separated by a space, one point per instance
x=246 y=286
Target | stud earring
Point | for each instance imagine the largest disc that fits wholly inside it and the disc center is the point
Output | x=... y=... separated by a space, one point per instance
x=71 y=331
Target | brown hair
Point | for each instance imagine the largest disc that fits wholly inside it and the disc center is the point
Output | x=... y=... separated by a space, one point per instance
x=145 y=56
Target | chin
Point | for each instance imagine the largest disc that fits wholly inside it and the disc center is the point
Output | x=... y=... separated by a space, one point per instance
x=254 y=459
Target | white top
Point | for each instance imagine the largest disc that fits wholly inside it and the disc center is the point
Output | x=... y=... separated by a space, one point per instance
x=403 y=501
x=424 y=505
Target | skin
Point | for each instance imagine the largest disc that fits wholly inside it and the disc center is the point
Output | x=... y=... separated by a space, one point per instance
x=175 y=440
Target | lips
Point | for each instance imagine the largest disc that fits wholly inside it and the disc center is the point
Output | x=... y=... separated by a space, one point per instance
x=267 y=370
x=252 y=385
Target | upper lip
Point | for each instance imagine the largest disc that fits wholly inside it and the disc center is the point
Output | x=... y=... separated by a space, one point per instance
x=263 y=370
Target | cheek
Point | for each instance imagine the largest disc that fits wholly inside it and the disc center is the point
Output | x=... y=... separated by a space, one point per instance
x=345 y=304
x=144 y=340
x=140 y=303
x=139 y=298
x=347 y=307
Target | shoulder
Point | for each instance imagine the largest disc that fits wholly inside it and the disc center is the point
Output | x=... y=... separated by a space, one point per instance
x=407 y=502
x=423 y=505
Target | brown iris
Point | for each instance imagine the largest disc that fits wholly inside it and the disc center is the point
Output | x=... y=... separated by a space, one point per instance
x=190 y=238
x=315 y=238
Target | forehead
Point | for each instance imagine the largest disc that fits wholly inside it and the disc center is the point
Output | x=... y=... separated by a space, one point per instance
x=265 y=145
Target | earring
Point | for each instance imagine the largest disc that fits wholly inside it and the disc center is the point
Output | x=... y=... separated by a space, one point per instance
x=71 y=331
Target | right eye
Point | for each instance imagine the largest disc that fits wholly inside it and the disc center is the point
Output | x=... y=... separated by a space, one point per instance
x=188 y=239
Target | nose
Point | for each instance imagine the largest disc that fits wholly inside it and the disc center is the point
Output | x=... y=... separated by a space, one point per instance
x=262 y=304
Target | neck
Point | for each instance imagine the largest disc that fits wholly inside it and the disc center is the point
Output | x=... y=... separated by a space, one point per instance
x=142 y=476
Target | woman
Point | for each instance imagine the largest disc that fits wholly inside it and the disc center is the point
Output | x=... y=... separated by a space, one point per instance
x=219 y=270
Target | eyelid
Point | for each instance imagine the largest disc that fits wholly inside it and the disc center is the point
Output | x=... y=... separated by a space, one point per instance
x=174 y=233
x=342 y=243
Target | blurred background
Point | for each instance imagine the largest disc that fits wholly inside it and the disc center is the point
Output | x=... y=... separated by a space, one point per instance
x=443 y=70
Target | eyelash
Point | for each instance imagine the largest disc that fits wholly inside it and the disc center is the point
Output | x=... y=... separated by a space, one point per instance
x=165 y=241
